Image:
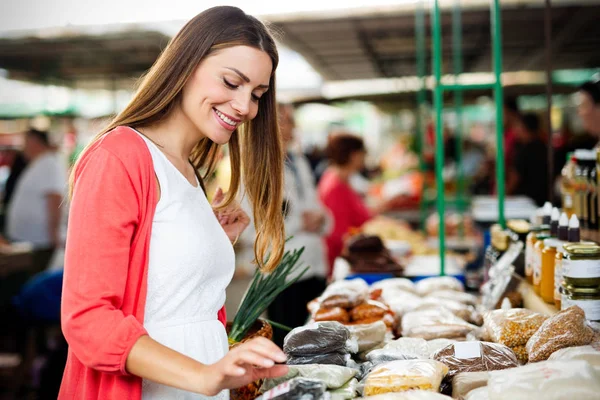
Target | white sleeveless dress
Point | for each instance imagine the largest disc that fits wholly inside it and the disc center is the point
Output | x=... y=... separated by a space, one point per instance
x=191 y=263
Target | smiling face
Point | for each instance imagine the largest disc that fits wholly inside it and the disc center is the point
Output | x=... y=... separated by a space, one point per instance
x=225 y=91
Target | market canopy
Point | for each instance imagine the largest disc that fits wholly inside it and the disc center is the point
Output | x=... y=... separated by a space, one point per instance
x=380 y=42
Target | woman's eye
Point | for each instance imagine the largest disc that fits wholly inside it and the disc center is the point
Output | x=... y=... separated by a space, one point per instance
x=255 y=98
x=229 y=84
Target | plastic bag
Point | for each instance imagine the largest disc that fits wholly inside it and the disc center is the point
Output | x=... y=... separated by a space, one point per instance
x=325 y=359
x=368 y=336
x=400 y=301
x=399 y=376
x=479 y=334
x=461 y=310
x=411 y=395
x=512 y=327
x=395 y=284
x=409 y=347
x=465 y=382
x=521 y=353
x=585 y=353
x=435 y=324
x=296 y=389
x=430 y=285
x=568 y=328
x=318 y=338
x=475 y=356
x=548 y=380
x=478 y=394
x=333 y=376
x=462 y=297
x=346 y=392
x=345 y=294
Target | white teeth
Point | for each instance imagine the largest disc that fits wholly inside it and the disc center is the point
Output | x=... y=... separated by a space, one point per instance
x=225 y=119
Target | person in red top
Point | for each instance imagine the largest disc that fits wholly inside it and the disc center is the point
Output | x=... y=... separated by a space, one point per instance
x=346 y=154
x=131 y=191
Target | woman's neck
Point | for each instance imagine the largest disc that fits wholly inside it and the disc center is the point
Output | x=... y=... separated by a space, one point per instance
x=344 y=173
x=175 y=134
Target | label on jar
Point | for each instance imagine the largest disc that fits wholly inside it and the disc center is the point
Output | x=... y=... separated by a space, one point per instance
x=591 y=308
x=557 y=278
x=581 y=268
x=464 y=350
x=537 y=268
x=529 y=260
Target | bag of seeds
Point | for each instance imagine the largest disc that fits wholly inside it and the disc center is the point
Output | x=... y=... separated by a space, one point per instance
x=512 y=327
x=568 y=328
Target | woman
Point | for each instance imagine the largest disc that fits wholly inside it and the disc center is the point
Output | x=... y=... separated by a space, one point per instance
x=588 y=107
x=346 y=154
x=147 y=260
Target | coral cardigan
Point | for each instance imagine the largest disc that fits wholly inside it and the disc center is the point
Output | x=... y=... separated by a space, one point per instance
x=105 y=277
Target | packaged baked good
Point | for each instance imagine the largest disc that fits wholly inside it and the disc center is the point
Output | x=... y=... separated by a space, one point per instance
x=369 y=310
x=512 y=327
x=475 y=356
x=547 y=380
x=368 y=336
x=345 y=294
x=435 y=324
x=333 y=376
x=400 y=376
x=400 y=301
x=332 y=314
x=430 y=285
x=461 y=310
x=296 y=389
x=318 y=338
x=568 y=328
x=465 y=382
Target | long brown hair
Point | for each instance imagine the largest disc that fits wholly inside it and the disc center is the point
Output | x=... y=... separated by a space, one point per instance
x=255 y=148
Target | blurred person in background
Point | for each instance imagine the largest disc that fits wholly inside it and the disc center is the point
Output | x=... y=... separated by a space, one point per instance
x=148 y=258
x=306 y=222
x=346 y=154
x=34 y=213
x=529 y=175
x=588 y=108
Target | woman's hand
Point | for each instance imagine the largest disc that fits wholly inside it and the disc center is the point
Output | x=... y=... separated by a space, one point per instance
x=233 y=219
x=243 y=364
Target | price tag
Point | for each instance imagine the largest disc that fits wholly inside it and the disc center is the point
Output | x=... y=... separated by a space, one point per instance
x=467 y=350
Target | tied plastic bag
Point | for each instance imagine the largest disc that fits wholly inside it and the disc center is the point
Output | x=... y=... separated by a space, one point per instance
x=345 y=294
x=410 y=395
x=475 y=356
x=464 y=382
x=430 y=285
x=568 y=328
x=319 y=338
x=333 y=376
x=296 y=389
x=392 y=284
x=548 y=380
x=346 y=392
x=462 y=297
x=368 y=336
x=326 y=359
x=400 y=301
x=435 y=324
x=585 y=353
x=512 y=327
x=399 y=376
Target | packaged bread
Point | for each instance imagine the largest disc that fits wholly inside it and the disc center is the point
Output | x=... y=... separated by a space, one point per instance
x=430 y=285
x=454 y=295
x=332 y=314
x=435 y=324
x=395 y=284
x=400 y=376
x=345 y=294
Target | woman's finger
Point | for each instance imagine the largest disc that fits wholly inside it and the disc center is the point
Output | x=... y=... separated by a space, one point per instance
x=266 y=348
x=252 y=357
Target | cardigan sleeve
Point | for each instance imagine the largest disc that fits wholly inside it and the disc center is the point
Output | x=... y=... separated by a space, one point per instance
x=103 y=217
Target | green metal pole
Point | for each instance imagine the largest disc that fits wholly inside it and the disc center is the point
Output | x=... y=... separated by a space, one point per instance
x=458 y=107
x=438 y=101
x=496 y=23
x=420 y=49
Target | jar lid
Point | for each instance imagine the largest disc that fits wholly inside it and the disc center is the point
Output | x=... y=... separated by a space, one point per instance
x=582 y=249
x=519 y=226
